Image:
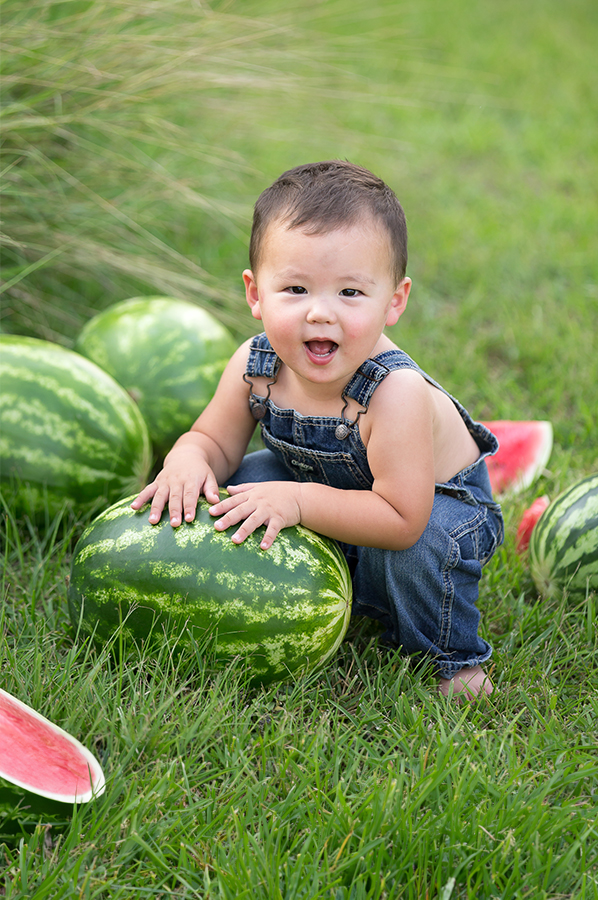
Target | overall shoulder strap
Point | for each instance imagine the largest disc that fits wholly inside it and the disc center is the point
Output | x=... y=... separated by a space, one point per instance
x=369 y=375
x=262 y=360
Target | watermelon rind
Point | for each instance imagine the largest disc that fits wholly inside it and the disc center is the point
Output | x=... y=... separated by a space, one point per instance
x=284 y=611
x=29 y=741
x=523 y=453
x=167 y=353
x=564 y=543
x=70 y=434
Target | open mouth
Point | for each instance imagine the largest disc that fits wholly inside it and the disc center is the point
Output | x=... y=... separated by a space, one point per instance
x=321 y=349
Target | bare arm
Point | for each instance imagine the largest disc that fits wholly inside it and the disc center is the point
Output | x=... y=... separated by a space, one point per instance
x=392 y=515
x=208 y=454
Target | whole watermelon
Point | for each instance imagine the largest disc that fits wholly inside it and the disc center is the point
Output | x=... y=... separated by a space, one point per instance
x=564 y=543
x=167 y=353
x=284 y=610
x=69 y=433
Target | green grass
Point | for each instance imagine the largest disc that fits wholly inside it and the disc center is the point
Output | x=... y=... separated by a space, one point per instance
x=136 y=138
x=356 y=782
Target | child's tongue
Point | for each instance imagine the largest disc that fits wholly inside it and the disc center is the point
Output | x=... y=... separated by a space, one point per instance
x=321 y=348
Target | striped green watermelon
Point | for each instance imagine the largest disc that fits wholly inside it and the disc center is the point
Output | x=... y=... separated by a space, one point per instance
x=564 y=543
x=168 y=354
x=69 y=432
x=284 y=610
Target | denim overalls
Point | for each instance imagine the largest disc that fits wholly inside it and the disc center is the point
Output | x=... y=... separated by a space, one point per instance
x=424 y=596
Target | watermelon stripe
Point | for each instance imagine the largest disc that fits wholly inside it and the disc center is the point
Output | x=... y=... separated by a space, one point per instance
x=169 y=354
x=69 y=431
x=571 y=509
x=564 y=543
x=50 y=383
x=285 y=609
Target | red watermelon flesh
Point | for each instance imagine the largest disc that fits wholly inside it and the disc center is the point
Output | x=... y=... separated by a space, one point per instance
x=39 y=756
x=528 y=522
x=524 y=451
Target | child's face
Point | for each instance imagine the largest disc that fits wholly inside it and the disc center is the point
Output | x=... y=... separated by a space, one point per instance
x=324 y=299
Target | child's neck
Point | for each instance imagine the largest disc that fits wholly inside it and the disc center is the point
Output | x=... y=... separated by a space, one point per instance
x=307 y=397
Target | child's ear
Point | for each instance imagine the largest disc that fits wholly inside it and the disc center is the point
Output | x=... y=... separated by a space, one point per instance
x=399 y=302
x=251 y=294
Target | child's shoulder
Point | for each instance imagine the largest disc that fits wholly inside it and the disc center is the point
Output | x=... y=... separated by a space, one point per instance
x=399 y=383
x=241 y=354
x=237 y=364
x=386 y=352
x=386 y=360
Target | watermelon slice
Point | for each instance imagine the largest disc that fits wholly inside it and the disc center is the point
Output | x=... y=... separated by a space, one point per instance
x=39 y=756
x=524 y=451
x=528 y=522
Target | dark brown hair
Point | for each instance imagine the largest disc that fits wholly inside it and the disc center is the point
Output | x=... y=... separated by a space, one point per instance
x=321 y=197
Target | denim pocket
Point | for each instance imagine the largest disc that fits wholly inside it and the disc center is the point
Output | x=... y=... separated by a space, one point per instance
x=478 y=536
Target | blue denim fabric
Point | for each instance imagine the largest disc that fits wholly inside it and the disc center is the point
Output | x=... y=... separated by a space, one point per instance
x=424 y=596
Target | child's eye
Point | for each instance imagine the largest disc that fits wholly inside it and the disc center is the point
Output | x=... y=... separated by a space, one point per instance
x=296 y=289
x=350 y=292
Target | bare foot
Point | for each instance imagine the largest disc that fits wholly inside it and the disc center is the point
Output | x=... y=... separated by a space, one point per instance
x=466 y=684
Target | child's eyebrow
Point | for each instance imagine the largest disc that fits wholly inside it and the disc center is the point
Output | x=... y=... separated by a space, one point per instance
x=360 y=279
x=296 y=276
x=291 y=275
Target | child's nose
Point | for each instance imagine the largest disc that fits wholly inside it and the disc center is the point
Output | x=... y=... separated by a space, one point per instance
x=320 y=310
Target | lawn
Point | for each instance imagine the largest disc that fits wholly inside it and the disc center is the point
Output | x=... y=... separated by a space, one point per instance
x=137 y=137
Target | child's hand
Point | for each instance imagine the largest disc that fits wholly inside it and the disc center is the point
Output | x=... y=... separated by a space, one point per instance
x=179 y=484
x=276 y=504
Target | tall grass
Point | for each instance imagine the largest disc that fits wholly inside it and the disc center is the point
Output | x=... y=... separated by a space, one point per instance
x=110 y=170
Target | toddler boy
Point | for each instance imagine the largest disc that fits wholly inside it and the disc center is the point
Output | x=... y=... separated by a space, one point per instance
x=361 y=444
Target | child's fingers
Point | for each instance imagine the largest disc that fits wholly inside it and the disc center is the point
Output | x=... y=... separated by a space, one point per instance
x=246 y=486
x=237 y=488
x=273 y=527
x=159 y=495
x=230 y=517
x=146 y=494
x=191 y=493
x=248 y=526
x=225 y=505
x=175 y=505
x=211 y=489
x=190 y=498
x=272 y=532
x=250 y=521
x=157 y=507
x=181 y=492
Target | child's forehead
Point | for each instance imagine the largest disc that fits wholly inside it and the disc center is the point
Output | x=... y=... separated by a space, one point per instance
x=367 y=225
x=295 y=250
